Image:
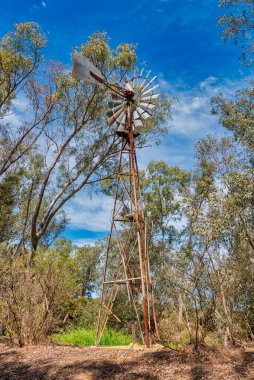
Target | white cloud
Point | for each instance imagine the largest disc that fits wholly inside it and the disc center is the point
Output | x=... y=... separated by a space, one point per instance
x=191 y=119
x=91 y=213
x=20 y=111
x=167 y=153
x=208 y=82
x=85 y=241
x=191 y=114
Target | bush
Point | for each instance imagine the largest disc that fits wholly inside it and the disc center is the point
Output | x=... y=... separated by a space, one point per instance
x=34 y=298
x=173 y=332
x=213 y=339
x=83 y=312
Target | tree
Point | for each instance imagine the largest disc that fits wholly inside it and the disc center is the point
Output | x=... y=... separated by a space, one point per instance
x=237 y=23
x=87 y=260
x=163 y=188
x=20 y=57
x=74 y=146
x=238 y=116
x=37 y=301
x=224 y=190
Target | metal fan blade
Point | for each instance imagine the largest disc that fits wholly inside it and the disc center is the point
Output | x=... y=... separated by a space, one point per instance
x=142 y=111
x=115 y=103
x=147 y=105
x=114 y=110
x=150 y=81
x=143 y=114
x=114 y=117
x=150 y=97
x=119 y=121
x=116 y=96
x=144 y=81
x=146 y=115
x=121 y=130
x=122 y=118
x=150 y=89
x=148 y=73
x=115 y=125
x=135 y=115
x=85 y=70
x=138 y=122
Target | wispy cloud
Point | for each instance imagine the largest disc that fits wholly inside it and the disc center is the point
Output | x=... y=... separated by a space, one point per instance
x=82 y=242
x=20 y=111
x=191 y=121
x=192 y=112
x=90 y=212
x=37 y=7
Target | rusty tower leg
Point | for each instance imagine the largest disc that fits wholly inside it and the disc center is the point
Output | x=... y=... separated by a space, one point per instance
x=127 y=246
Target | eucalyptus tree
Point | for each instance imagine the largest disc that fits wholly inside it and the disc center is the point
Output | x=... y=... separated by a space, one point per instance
x=164 y=188
x=224 y=223
x=68 y=144
x=20 y=59
x=237 y=114
x=237 y=23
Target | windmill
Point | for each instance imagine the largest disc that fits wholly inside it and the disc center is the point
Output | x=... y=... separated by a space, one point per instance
x=127 y=262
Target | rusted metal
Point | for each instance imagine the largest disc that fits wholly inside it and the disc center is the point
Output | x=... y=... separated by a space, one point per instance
x=129 y=107
x=123 y=281
x=128 y=233
x=132 y=159
x=111 y=312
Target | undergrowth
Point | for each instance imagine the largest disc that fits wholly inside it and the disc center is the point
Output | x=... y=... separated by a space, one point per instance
x=86 y=337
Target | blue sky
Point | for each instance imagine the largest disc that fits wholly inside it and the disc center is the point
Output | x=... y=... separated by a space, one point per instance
x=179 y=40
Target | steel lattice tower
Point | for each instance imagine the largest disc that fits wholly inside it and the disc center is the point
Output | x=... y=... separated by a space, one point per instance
x=127 y=268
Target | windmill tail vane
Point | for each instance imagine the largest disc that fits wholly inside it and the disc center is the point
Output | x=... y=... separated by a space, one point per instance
x=85 y=70
x=129 y=107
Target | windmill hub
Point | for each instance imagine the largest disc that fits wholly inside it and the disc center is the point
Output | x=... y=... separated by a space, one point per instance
x=140 y=96
x=129 y=95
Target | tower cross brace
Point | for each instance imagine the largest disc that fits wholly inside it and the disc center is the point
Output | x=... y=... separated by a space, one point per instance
x=127 y=262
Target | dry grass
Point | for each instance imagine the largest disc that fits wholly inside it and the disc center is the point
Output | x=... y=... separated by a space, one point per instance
x=76 y=363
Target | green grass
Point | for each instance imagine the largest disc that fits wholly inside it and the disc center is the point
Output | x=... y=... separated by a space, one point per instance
x=175 y=346
x=86 y=337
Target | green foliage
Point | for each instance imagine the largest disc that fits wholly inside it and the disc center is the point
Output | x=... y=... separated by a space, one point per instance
x=237 y=23
x=82 y=312
x=162 y=185
x=237 y=115
x=36 y=301
x=87 y=259
x=213 y=339
x=86 y=337
x=8 y=189
x=173 y=332
x=164 y=189
x=20 y=55
x=67 y=117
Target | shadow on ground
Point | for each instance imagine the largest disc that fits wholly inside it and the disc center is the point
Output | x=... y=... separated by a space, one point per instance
x=101 y=365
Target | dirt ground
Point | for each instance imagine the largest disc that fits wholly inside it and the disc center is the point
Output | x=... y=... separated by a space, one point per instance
x=76 y=363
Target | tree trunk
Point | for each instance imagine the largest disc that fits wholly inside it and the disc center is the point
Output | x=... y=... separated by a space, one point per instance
x=228 y=330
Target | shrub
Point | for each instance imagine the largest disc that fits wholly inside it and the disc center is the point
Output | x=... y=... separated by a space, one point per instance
x=34 y=298
x=173 y=331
